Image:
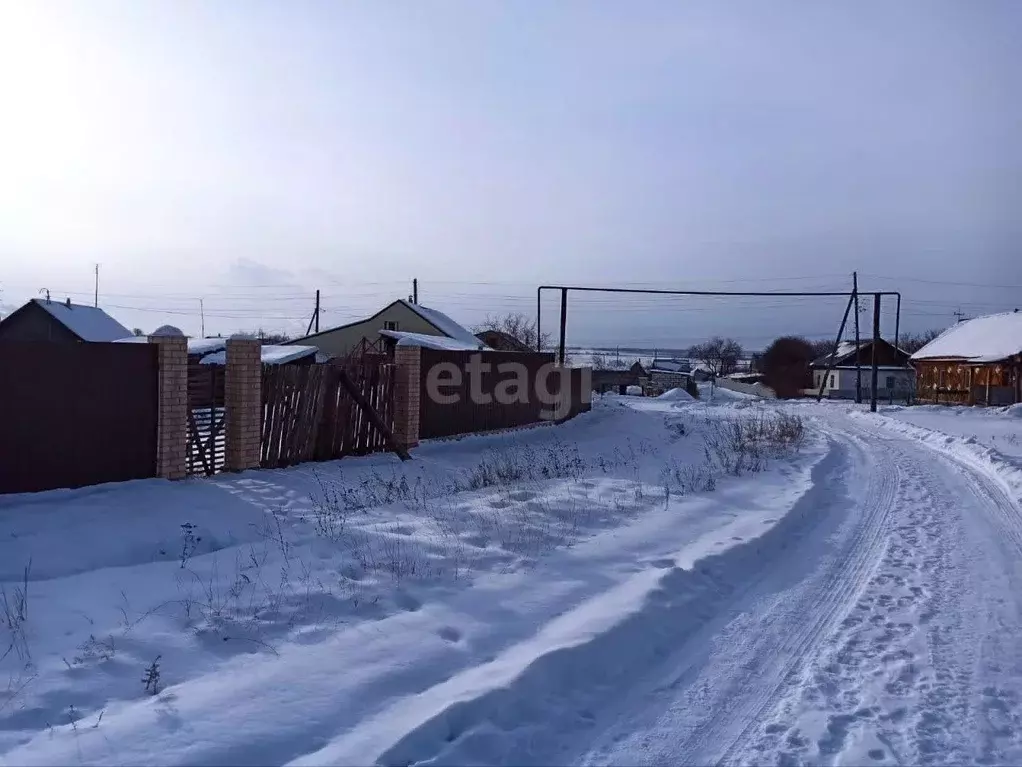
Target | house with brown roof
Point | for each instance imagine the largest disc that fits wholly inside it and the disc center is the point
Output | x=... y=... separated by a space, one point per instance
x=838 y=372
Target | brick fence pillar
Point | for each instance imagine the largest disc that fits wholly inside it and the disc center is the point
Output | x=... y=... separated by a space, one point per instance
x=406 y=395
x=243 y=400
x=172 y=431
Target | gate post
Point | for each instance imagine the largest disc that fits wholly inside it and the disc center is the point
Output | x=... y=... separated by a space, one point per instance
x=407 y=383
x=172 y=410
x=243 y=402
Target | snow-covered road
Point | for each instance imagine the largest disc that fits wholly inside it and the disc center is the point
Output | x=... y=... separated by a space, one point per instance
x=888 y=631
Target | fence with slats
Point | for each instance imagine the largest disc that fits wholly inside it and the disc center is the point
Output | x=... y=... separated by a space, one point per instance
x=207 y=435
x=292 y=408
x=308 y=414
x=496 y=402
x=76 y=414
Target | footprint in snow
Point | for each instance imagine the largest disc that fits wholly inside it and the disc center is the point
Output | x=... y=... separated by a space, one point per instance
x=407 y=602
x=449 y=633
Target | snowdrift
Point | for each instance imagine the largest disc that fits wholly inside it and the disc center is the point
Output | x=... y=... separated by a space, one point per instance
x=676 y=395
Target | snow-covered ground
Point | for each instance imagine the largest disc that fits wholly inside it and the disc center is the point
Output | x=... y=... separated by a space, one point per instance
x=999 y=428
x=656 y=581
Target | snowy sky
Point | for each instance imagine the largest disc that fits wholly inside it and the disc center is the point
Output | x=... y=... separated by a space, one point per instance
x=251 y=152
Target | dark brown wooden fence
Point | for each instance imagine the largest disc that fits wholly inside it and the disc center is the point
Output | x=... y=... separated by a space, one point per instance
x=76 y=414
x=308 y=414
x=501 y=405
x=207 y=434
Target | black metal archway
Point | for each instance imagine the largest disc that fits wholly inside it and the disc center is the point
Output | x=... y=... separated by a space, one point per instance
x=852 y=296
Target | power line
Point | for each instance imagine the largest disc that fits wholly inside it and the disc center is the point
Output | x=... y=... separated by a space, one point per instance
x=945 y=282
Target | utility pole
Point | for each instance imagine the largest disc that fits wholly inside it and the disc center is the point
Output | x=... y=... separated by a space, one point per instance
x=96 y=296
x=875 y=373
x=959 y=316
x=564 y=322
x=837 y=342
x=202 y=320
x=858 y=365
x=314 y=319
x=415 y=291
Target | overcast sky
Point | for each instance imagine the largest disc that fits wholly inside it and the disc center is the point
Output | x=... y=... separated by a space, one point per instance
x=251 y=152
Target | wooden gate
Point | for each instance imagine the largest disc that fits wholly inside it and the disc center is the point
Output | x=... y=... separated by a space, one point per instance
x=207 y=434
x=76 y=414
x=292 y=405
x=345 y=428
x=310 y=413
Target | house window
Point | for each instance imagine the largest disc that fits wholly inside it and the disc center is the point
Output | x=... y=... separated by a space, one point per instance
x=389 y=325
x=832 y=382
x=890 y=382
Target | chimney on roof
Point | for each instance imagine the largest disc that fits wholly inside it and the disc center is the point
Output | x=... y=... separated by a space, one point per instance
x=68 y=302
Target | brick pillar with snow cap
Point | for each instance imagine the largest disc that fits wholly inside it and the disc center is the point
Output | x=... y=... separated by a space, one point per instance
x=406 y=395
x=172 y=431
x=243 y=392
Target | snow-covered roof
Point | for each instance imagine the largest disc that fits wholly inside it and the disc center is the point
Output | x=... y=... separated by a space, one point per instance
x=87 y=322
x=444 y=324
x=206 y=345
x=427 y=341
x=984 y=339
x=847 y=349
x=272 y=354
x=671 y=366
x=195 y=345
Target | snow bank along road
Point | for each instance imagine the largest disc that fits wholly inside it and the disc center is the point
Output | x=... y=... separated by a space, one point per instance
x=857 y=604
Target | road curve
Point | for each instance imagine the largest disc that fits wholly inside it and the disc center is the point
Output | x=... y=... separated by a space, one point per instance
x=890 y=631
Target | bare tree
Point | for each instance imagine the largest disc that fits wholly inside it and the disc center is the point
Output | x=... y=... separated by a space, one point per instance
x=598 y=362
x=913 y=342
x=720 y=355
x=517 y=325
x=822 y=348
x=137 y=332
x=267 y=337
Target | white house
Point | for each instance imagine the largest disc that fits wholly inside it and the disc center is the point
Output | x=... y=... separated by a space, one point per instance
x=896 y=377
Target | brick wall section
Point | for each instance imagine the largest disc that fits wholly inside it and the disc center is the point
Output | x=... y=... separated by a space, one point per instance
x=172 y=436
x=406 y=395
x=243 y=392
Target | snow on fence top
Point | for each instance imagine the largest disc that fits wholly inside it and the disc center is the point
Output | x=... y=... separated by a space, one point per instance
x=984 y=339
x=86 y=322
x=271 y=354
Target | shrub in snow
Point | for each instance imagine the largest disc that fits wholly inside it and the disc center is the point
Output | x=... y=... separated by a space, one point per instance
x=151 y=677
x=14 y=615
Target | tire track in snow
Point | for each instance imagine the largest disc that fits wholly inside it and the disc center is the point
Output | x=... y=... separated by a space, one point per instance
x=560 y=692
x=759 y=645
x=920 y=671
